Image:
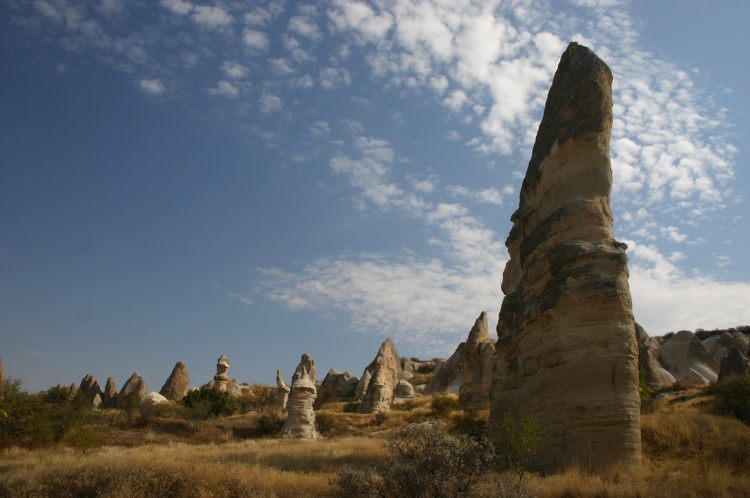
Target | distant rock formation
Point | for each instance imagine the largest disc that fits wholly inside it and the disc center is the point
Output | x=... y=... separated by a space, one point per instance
x=720 y=345
x=178 y=383
x=656 y=376
x=361 y=389
x=385 y=371
x=134 y=386
x=566 y=350
x=221 y=379
x=336 y=386
x=688 y=360
x=733 y=364
x=110 y=392
x=308 y=364
x=300 y=422
x=282 y=391
x=2 y=372
x=90 y=389
x=468 y=372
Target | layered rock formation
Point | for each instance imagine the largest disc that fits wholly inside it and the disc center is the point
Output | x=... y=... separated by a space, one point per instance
x=656 y=376
x=688 y=360
x=178 y=383
x=134 y=386
x=221 y=379
x=300 y=422
x=337 y=386
x=282 y=391
x=385 y=372
x=468 y=372
x=566 y=350
x=110 y=392
x=308 y=364
x=90 y=389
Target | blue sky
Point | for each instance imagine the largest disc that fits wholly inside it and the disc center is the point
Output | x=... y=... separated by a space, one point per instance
x=183 y=179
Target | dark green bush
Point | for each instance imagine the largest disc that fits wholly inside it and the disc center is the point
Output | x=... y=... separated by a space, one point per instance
x=269 y=424
x=469 y=424
x=351 y=407
x=218 y=404
x=733 y=397
x=443 y=405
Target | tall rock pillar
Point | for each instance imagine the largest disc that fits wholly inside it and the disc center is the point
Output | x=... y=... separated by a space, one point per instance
x=566 y=351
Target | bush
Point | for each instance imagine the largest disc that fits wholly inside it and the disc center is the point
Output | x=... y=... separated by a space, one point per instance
x=733 y=397
x=426 y=461
x=218 y=404
x=351 y=407
x=329 y=424
x=517 y=438
x=443 y=405
x=469 y=424
x=269 y=424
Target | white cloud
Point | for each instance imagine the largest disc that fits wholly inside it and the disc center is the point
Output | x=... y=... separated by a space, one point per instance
x=234 y=70
x=210 y=16
x=488 y=195
x=256 y=41
x=304 y=26
x=270 y=103
x=320 y=130
x=151 y=86
x=333 y=77
x=241 y=298
x=225 y=89
x=179 y=7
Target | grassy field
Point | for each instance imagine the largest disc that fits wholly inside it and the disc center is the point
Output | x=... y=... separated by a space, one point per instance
x=688 y=450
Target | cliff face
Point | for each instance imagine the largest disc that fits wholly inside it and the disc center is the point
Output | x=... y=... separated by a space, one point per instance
x=566 y=350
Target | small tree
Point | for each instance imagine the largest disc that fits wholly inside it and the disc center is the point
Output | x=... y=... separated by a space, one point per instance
x=517 y=437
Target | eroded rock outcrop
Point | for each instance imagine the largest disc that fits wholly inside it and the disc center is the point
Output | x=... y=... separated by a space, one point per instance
x=221 y=379
x=177 y=384
x=385 y=372
x=110 y=392
x=337 y=386
x=134 y=386
x=566 y=350
x=733 y=364
x=307 y=364
x=282 y=391
x=300 y=422
x=90 y=389
x=656 y=376
x=468 y=372
x=2 y=372
x=688 y=360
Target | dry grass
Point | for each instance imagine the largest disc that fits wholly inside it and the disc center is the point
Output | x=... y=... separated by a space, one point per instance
x=687 y=452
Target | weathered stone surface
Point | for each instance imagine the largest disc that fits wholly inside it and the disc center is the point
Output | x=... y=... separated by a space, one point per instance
x=734 y=363
x=2 y=372
x=403 y=389
x=687 y=359
x=566 y=349
x=364 y=381
x=337 y=386
x=89 y=388
x=155 y=398
x=468 y=372
x=720 y=345
x=221 y=379
x=308 y=364
x=385 y=370
x=110 y=391
x=282 y=391
x=656 y=376
x=300 y=422
x=135 y=385
x=177 y=384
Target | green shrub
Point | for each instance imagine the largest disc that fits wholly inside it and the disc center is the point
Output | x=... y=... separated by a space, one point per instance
x=351 y=407
x=733 y=397
x=443 y=405
x=517 y=438
x=269 y=424
x=219 y=404
x=425 y=461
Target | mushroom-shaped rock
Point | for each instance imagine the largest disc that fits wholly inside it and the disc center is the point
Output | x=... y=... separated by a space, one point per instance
x=300 y=423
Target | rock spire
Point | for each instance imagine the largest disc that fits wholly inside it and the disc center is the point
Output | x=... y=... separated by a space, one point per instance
x=566 y=348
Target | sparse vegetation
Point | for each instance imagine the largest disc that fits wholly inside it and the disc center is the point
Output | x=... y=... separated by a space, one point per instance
x=517 y=437
x=733 y=397
x=442 y=405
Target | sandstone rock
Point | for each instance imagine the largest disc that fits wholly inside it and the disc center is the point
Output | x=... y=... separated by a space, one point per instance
x=403 y=389
x=656 y=376
x=134 y=386
x=282 y=391
x=2 y=372
x=385 y=370
x=110 y=391
x=688 y=360
x=221 y=379
x=300 y=423
x=734 y=363
x=566 y=350
x=178 y=383
x=720 y=345
x=468 y=372
x=89 y=388
x=308 y=364
x=155 y=398
x=364 y=381
x=337 y=386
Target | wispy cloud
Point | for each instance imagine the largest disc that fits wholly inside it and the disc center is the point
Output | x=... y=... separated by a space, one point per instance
x=151 y=86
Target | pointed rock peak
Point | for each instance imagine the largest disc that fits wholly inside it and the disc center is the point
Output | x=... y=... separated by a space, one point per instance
x=480 y=331
x=279 y=377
